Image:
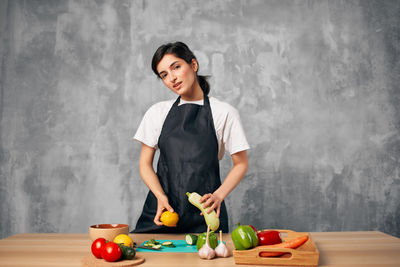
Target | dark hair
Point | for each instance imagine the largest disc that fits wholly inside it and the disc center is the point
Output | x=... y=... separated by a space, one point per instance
x=182 y=51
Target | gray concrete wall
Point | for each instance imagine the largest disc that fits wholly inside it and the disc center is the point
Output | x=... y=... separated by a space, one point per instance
x=316 y=84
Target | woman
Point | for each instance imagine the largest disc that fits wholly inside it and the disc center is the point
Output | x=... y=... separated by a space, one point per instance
x=192 y=133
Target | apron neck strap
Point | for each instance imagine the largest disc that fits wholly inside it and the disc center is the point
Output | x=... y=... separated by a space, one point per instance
x=177 y=101
x=206 y=101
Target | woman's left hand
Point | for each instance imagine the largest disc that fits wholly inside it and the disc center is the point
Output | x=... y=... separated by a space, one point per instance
x=212 y=201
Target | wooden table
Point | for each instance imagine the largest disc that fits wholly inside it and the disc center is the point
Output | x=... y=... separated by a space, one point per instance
x=336 y=249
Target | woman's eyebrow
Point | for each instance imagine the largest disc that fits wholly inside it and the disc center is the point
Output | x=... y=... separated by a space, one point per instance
x=172 y=64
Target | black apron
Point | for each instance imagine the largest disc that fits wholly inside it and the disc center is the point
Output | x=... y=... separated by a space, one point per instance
x=188 y=162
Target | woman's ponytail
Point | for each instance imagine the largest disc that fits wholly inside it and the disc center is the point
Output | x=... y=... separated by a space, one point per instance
x=205 y=86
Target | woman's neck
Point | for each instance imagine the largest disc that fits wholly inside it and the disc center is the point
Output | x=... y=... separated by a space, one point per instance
x=196 y=94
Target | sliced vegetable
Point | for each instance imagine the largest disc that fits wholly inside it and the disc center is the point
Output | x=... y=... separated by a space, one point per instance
x=294 y=243
x=152 y=243
x=168 y=244
x=212 y=239
x=211 y=218
x=244 y=237
x=148 y=247
x=191 y=239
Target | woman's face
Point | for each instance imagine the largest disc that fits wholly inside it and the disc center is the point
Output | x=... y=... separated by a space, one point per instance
x=178 y=75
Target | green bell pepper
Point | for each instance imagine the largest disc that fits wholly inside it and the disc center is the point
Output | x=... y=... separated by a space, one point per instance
x=212 y=240
x=244 y=237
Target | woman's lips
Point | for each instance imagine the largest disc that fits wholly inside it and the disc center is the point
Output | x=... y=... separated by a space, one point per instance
x=177 y=85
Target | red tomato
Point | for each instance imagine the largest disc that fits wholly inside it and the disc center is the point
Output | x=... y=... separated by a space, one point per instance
x=97 y=247
x=111 y=252
x=268 y=238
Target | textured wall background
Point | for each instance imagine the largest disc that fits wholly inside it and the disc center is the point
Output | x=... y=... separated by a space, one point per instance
x=316 y=83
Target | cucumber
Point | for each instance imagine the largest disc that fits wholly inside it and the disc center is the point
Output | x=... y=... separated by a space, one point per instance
x=191 y=239
x=153 y=241
x=128 y=253
x=168 y=244
x=211 y=218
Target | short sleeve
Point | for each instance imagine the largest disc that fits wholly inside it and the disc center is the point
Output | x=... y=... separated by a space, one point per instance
x=234 y=137
x=150 y=127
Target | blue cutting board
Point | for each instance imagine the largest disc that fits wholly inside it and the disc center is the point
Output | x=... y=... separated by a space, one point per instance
x=180 y=246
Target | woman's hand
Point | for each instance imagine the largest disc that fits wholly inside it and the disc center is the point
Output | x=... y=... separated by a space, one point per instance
x=151 y=180
x=162 y=205
x=212 y=201
x=239 y=168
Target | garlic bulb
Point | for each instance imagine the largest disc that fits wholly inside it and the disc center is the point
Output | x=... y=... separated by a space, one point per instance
x=206 y=252
x=222 y=250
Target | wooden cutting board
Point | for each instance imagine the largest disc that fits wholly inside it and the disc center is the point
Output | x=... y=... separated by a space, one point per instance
x=305 y=255
x=91 y=261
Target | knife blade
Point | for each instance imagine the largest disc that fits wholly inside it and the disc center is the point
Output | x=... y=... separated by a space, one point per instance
x=149 y=248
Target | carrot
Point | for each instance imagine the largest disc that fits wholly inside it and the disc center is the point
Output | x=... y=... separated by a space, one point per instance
x=294 y=243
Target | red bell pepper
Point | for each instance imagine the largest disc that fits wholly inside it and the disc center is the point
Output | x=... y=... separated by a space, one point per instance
x=270 y=237
x=255 y=230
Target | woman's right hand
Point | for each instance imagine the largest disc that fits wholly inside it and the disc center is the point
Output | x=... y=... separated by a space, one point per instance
x=162 y=205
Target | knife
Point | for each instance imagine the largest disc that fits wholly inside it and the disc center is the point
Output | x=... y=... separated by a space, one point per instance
x=149 y=248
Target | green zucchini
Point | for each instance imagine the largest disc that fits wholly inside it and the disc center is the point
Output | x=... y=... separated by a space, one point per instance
x=153 y=241
x=128 y=253
x=168 y=244
x=211 y=218
x=157 y=246
x=191 y=239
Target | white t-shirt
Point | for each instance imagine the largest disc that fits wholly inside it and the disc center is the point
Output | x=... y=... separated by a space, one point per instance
x=228 y=127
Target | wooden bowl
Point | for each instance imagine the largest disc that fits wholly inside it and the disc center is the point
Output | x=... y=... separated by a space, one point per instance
x=107 y=231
